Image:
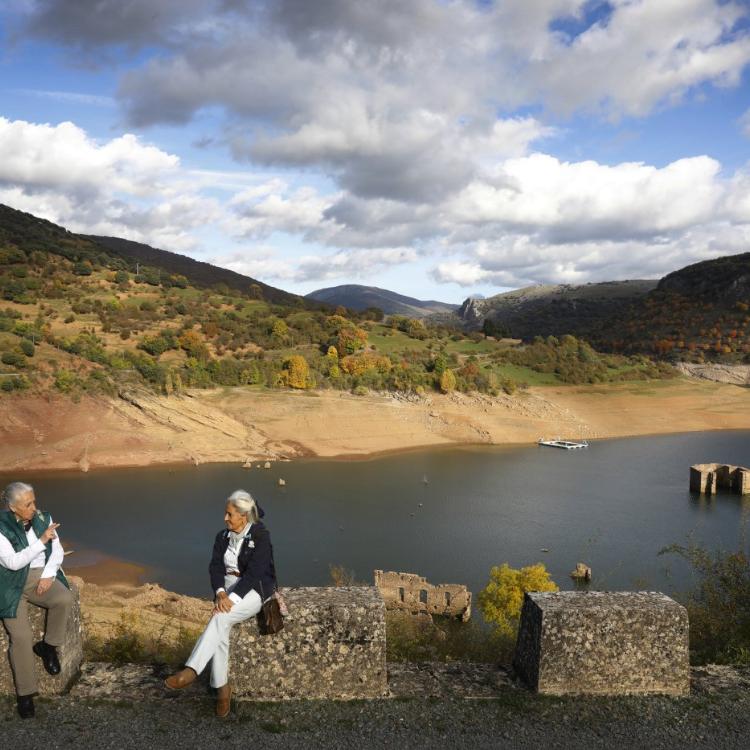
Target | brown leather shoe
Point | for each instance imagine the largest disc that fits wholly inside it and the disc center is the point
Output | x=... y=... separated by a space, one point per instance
x=223 y=701
x=180 y=680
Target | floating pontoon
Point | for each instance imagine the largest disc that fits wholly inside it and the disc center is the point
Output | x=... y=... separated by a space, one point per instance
x=567 y=445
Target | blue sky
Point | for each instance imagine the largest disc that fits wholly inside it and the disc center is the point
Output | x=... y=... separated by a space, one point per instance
x=439 y=148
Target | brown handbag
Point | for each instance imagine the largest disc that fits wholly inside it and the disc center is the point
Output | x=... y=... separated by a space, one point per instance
x=269 y=618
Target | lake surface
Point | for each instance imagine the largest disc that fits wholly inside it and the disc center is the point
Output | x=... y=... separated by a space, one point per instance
x=613 y=506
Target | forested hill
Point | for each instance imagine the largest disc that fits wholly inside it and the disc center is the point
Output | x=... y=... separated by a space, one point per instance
x=79 y=317
x=697 y=314
x=29 y=233
x=358 y=297
x=726 y=279
x=197 y=272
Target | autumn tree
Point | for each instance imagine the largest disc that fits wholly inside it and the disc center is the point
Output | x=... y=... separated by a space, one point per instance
x=502 y=598
x=332 y=363
x=296 y=372
x=192 y=343
x=351 y=339
x=447 y=381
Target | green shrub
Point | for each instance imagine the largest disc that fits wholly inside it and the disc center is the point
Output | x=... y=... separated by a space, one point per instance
x=133 y=641
x=719 y=606
x=65 y=381
x=421 y=638
x=27 y=347
x=16 y=359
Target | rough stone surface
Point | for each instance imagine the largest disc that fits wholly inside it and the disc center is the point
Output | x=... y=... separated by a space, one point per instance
x=332 y=646
x=733 y=374
x=613 y=643
x=409 y=592
x=71 y=653
x=708 y=478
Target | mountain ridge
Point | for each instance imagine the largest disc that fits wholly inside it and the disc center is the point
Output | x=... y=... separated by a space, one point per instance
x=360 y=297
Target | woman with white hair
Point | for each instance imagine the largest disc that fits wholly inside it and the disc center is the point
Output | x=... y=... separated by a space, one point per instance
x=242 y=578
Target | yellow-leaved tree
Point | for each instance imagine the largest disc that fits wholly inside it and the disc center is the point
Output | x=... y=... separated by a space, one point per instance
x=296 y=372
x=447 y=381
x=502 y=598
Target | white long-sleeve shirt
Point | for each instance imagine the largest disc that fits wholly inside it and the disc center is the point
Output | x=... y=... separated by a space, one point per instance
x=231 y=560
x=33 y=555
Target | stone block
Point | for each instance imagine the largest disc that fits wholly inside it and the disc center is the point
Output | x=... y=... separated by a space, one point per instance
x=71 y=653
x=611 y=643
x=332 y=646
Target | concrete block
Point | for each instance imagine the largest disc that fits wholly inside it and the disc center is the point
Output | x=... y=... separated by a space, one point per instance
x=612 y=643
x=71 y=653
x=332 y=646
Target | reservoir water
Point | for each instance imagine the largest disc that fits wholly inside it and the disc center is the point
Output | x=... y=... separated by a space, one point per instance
x=447 y=514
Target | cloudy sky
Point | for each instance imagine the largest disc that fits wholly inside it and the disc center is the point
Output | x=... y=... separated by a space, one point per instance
x=439 y=148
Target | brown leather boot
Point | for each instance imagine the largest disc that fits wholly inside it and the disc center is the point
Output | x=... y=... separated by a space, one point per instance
x=223 y=701
x=180 y=680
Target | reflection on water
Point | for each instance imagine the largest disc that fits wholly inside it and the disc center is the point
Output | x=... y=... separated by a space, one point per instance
x=613 y=506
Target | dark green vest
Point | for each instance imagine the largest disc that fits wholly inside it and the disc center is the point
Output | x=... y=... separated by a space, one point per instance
x=12 y=582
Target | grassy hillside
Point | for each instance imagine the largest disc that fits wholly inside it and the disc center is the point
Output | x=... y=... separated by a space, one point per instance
x=198 y=273
x=75 y=318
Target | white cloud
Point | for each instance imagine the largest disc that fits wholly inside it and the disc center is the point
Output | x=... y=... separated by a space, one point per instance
x=540 y=194
x=647 y=53
x=43 y=155
x=119 y=187
x=340 y=266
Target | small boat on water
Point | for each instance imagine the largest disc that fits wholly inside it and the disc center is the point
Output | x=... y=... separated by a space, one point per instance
x=567 y=445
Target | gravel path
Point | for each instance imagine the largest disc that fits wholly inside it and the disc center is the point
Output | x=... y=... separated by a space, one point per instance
x=716 y=715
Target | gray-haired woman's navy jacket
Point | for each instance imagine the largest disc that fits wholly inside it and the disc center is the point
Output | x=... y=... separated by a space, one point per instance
x=254 y=563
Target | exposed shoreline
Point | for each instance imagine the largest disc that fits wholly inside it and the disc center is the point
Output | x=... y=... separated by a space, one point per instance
x=51 y=433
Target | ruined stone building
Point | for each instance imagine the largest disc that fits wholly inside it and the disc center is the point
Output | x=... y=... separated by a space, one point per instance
x=409 y=592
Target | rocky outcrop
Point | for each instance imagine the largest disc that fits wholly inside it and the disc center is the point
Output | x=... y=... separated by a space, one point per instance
x=472 y=311
x=731 y=374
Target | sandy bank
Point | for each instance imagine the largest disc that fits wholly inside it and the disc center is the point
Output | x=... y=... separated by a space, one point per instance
x=237 y=424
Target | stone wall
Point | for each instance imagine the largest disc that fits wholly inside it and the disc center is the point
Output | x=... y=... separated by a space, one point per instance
x=572 y=642
x=71 y=653
x=332 y=646
x=708 y=478
x=412 y=593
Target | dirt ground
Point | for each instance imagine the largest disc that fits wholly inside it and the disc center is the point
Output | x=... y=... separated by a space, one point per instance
x=236 y=424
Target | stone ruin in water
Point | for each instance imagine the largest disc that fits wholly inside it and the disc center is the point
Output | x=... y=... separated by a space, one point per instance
x=708 y=478
x=411 y=593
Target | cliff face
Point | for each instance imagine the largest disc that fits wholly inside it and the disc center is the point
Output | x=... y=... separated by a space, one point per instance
x=555 y=310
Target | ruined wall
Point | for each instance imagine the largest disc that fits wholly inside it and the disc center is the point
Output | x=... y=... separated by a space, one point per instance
x=332 y=646
x=412 y=593
x=612 y=643
x=71 y=653
x=708 y=478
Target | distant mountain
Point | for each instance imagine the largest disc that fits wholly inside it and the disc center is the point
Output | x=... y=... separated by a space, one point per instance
x=554 y=310
x=196 y=271
x=357 y=297
x=697 y=314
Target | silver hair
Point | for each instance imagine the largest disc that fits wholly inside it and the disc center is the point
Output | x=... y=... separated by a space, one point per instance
x=14 y=491
x=245 y=504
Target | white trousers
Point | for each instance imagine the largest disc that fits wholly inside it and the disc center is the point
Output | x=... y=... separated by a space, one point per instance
x=213 y=645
